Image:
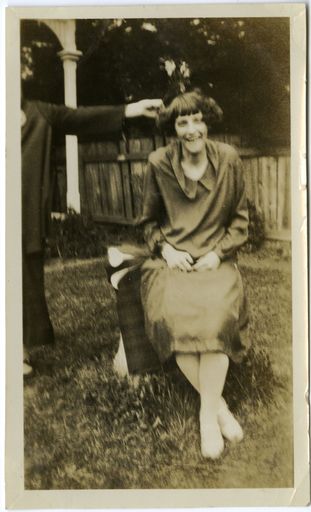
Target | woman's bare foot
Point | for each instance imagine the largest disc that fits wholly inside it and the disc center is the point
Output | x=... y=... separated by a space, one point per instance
x=212 y=443
x=229 y=426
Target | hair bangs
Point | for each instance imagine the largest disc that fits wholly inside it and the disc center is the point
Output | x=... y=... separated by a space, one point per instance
x=184 y=105
x=187 y=104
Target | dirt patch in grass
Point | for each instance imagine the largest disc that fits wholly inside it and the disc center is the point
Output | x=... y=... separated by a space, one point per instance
x=85 y=428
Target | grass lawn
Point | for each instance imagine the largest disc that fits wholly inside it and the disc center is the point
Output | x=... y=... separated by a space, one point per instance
x=85 y=428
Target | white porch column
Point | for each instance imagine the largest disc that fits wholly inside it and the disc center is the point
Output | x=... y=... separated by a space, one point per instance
x=65 y=30
x=69 y=58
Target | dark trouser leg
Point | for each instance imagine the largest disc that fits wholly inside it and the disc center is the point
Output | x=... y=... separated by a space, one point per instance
x=37 y=327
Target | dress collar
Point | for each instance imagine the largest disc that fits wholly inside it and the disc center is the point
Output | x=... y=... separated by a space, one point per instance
x=208 y=180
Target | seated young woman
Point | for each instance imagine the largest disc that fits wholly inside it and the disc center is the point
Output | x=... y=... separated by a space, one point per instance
x=195 y=218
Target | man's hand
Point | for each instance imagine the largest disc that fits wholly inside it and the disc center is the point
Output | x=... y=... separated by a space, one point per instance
x=177 y=259
x=147 y=108
x=209 y=261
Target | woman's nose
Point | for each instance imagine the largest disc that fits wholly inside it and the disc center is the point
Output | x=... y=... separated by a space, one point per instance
x=191 y=127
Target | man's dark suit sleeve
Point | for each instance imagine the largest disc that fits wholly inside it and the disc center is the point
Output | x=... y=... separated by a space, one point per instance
x=84 y=120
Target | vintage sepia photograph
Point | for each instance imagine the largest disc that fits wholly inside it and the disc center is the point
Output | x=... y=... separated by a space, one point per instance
x=160 y=336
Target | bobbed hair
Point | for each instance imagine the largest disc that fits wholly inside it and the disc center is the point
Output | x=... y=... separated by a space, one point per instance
x=188 y=103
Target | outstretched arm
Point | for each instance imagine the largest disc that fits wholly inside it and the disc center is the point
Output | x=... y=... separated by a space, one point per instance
x=96 y=120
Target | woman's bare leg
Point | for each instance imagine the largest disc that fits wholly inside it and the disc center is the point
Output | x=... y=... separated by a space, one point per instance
x=189 y=365
x=212 y=375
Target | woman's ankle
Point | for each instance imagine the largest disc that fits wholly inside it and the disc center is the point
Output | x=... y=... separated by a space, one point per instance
x=208 y=416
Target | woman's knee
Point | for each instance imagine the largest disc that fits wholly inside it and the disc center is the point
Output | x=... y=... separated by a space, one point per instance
x=220 y=359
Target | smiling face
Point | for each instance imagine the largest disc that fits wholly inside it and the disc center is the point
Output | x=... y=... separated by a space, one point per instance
x=191 y=130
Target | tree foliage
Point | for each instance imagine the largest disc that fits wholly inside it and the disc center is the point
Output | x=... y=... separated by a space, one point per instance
x=242 y=63
x=41 y=68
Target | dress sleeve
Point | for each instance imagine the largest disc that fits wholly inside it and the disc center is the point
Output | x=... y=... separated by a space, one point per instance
x=237 y=231
x=153 y=210
x=85 y=121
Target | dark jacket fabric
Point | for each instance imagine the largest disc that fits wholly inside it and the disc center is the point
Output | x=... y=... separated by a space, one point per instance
x=39 y=122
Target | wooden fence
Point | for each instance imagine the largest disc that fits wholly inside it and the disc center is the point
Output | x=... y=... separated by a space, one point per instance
x=111 y=181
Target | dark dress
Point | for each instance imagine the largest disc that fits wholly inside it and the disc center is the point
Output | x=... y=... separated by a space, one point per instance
x=39 y=121
x=193 y=311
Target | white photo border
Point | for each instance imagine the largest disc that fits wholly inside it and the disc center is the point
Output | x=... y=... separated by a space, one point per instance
x=16 y=496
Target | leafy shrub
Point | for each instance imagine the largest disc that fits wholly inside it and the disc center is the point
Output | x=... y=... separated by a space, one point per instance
x=75 y=236
x=78 y=236
x=256 y=229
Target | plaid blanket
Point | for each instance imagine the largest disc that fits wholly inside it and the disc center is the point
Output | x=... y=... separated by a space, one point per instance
x=140 y=354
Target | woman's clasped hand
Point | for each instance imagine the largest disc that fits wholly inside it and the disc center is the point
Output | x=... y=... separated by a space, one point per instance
x=182 y=260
